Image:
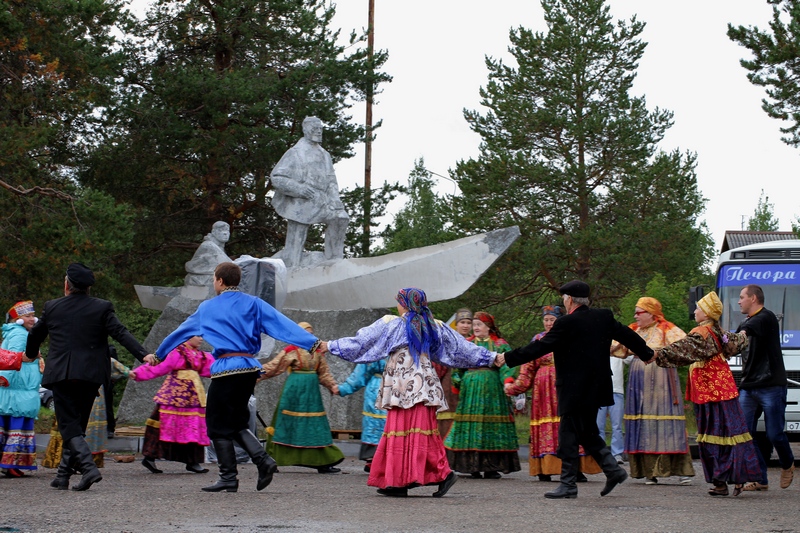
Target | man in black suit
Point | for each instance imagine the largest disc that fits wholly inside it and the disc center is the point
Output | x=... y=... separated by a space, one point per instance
x=77 y=364
x=580 y=342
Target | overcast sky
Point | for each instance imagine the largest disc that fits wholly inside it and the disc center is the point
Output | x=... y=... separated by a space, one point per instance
x=436 y=56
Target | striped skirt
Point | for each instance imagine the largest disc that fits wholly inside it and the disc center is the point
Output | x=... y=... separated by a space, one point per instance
x=17 y=443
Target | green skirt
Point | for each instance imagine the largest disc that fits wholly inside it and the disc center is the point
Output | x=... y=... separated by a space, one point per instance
x=300 y=433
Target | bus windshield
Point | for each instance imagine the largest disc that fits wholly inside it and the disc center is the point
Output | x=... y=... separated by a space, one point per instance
x=781 y=285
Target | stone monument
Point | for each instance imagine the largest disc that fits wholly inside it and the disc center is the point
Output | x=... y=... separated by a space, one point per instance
x=336 y=295
x=306 y=192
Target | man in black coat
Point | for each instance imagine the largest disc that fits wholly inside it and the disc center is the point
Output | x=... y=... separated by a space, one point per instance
x=77 y=364
x=580 y=342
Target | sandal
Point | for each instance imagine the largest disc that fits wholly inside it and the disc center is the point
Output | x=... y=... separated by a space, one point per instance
x=718 y=490
x=737 y=489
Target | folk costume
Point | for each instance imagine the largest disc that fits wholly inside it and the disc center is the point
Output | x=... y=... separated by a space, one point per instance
x=727 y=451
x=445 y=418
x=369 y=377
x=77 y=365
x=299 y=433
x=19 y=399
x=655 y=422
x=232 y=322
x=483 y=437
x=176 y=431
x=410 y=453
x=580 y=344
x=539 y=376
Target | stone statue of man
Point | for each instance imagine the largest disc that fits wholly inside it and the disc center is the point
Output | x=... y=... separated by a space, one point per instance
x=306 y=192
x=210 y=253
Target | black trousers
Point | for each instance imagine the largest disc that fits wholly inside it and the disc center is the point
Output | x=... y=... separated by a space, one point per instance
x=227 y=411
x=579 y=428
x=73 y=404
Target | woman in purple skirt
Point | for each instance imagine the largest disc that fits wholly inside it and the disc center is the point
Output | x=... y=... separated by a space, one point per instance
x=726 y=447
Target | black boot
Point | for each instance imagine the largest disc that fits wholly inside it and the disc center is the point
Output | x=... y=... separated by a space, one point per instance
x=64 y=472
x=226 y=458
x=615 y=474
x=567 y=487
x=151 y=465
x=83 y=456
x=266 y=464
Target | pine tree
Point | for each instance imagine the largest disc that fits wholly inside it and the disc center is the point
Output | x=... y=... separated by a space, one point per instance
x=423 y=221
x=571 y=156
x=763 y=218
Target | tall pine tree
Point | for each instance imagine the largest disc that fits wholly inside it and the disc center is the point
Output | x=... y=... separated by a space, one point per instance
x=570 y=155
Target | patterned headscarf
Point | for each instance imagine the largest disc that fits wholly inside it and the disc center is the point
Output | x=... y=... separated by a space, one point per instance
x=553 y=310
x=421 y=331
x=488 y=319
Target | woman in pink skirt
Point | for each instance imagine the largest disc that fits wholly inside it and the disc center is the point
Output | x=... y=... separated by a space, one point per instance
x=411 y=453
x=176 y=431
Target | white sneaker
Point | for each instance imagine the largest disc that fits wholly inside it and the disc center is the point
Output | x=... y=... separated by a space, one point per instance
x=651 y=481
x=620 y=460
x=685 y=480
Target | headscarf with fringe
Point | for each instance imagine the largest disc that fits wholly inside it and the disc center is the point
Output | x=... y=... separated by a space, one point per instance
x=421 y=331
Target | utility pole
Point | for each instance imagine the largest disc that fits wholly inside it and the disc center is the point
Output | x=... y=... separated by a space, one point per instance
x=368 y=133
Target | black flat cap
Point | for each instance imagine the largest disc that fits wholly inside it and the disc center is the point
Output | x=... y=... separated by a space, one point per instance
x=575 y=288
x=80 y=275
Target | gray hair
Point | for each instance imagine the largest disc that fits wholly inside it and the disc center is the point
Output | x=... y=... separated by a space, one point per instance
x=580 y=301
x=72 y=289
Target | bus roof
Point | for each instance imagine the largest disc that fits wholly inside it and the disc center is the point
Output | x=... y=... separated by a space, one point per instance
x=764 y=251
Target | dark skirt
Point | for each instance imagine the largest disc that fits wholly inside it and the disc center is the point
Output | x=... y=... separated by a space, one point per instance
x=155 y=448
x=727 y=451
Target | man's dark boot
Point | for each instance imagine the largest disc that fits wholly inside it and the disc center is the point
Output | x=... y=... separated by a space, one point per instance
x=266 y=464
x=615 y=474
x=64 y=472
x=567 y=488
x=226 y=458
x=83 y=456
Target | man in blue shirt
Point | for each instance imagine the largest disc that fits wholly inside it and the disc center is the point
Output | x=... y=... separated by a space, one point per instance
x=232 y=322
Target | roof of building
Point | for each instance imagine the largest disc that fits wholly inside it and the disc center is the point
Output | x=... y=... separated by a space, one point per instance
x=737 y=239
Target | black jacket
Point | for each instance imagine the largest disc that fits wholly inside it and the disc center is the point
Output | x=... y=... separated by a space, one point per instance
x=762 y=360
x=79 y=327
x=581 y=344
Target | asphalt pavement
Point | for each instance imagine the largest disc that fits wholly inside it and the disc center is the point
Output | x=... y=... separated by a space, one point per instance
x=130 y=499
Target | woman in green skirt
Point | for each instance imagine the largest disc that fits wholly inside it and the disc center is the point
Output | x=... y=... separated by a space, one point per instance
x=300 y=434
x=483 y=437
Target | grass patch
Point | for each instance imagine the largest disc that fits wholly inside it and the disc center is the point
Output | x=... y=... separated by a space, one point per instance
x=44 y=423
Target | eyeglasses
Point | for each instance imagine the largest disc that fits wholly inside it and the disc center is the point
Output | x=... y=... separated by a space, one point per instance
x=637 y=313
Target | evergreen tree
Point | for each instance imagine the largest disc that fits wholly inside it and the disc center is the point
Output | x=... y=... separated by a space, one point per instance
x=214 y=93
x=571 y=157
x=57 y=67
x=763 y=218
x=423 y=221
x=775 y=64
x=353 y=201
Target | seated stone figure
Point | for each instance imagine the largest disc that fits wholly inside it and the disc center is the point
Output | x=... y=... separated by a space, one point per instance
x=210 y=253
x=306 y=192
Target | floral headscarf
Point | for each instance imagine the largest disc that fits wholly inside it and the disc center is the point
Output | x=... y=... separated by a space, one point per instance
x=421 y=331
x=552 y=310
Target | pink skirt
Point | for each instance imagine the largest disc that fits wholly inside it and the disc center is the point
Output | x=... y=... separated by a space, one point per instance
x=410 y=452
x=183 y=425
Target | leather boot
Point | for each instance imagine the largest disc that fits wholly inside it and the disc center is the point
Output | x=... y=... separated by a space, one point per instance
x=83 y=456
x=266 y=464
x=64 y=472
x=567 y=488
x=615 y=474
x=226 y=458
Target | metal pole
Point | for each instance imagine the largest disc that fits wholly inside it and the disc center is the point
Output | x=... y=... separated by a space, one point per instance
x=368 y=132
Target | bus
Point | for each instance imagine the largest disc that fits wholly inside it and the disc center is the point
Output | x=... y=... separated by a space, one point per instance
x=775 y=267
